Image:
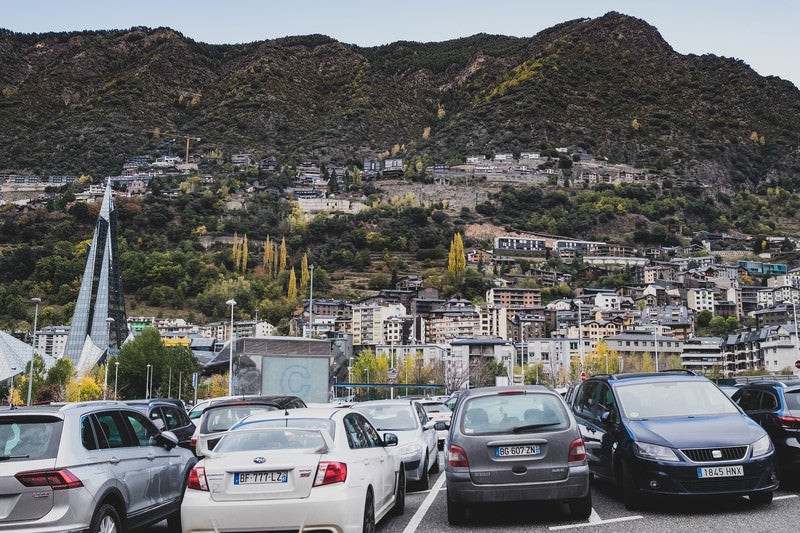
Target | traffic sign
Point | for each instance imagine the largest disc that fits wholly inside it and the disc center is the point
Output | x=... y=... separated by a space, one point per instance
x=583 y=376
x=797 y=364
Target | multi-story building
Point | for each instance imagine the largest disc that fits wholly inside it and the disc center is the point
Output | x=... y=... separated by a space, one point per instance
x=369 y=319
x=514 y=297
x=704 y=355
x=50 y=343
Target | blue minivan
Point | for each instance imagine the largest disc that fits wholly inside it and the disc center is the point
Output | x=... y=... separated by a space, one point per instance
x=672 y=433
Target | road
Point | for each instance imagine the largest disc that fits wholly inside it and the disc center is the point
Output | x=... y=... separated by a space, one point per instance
x=426 y=512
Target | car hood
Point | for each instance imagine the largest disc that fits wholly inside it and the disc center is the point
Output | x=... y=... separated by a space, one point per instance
x=696 y=432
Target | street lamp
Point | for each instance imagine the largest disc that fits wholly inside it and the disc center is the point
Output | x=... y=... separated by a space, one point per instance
x=33 y=346
x=116 y=375
x=147 y=382
x=232 y=303
x=110 y=322
x=311 y=301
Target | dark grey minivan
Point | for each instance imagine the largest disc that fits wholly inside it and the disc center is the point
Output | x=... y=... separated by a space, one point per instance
x=514 y=443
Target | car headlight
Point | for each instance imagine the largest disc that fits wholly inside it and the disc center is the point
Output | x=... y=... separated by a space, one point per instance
x=762 y=446
x=654 y=452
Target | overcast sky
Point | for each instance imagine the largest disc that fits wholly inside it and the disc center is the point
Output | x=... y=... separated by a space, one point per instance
x=764 y=33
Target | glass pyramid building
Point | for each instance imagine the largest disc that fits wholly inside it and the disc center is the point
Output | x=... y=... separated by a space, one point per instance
x=100 y=299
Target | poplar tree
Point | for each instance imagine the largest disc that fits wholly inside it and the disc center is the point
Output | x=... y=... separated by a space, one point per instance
x=244 y=254
x=292 y=292
x=304 y=275
x=456 y=261
x=236 y=252
x=268 y=253
x=282 y=257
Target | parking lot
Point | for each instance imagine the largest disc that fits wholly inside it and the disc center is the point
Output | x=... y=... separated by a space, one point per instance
x=426 y=511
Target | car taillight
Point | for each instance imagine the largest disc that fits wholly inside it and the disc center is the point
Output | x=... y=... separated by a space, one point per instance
x=55 y=479
x=789 y=422
x=197 y=479
x=193 y=442
x=577 y=451
x=457 y=457
x=330 y=472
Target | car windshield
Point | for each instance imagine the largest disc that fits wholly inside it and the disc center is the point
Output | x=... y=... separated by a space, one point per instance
x=390 y=417
x=307 y=423
x=261 y=439
x=513 y=413
x=222 y=418
x=673 y=399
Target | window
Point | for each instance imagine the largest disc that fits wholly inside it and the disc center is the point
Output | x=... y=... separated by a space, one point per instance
x=144 y=430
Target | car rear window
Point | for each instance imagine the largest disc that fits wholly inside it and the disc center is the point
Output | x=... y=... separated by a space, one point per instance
x=793 y=400
x=271 y=439
x=30 y=437
x=310 y=423
x=513 y=413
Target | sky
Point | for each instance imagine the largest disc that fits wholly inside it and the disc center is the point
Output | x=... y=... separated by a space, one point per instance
x=762 y=33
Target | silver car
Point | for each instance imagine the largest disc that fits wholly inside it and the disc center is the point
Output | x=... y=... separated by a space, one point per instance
x=415 y=431
x=92 y=466
x=515 y=443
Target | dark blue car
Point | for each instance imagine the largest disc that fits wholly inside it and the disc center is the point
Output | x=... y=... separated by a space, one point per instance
x=672 y=433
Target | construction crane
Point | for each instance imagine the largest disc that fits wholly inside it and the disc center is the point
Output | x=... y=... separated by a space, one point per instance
x=168 y=144
x=188 y=138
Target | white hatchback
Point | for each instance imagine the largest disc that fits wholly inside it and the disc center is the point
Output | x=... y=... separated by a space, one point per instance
x=300 y=469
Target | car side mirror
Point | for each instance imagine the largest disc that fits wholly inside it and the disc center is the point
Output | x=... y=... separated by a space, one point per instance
x=440 y=426
x=389 y=439
x=167 y=439
x=607 y=417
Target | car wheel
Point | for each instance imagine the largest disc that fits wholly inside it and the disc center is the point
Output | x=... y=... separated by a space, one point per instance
x=424 y=482
x=581 y=508
x=632 y=497
x=368 y=525
x=105 y=520
x=400 y=494
x=761 y=498
x=456 y=512
x=435 y=467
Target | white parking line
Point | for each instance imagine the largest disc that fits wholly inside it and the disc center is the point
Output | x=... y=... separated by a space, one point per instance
x=785 y=497
x=594 y=520
x=420 y=514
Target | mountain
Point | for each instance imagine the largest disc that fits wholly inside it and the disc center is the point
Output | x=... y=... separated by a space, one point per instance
x=83 y=102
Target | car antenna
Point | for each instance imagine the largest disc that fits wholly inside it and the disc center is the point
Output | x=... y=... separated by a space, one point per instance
x=285 y=411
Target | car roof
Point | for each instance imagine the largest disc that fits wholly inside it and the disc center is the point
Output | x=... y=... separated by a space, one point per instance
x=669 y=375
x=276 y=400
x=300 y=412
x=154 y=401
x=507 y=389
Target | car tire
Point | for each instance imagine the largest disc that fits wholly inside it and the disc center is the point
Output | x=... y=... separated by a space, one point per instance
x=400 y=494
x=632 y=497
x=435 y=467
x=761 y=498
x=105 y=520
x=456 y=513
x=368 y=523
x=581 y=508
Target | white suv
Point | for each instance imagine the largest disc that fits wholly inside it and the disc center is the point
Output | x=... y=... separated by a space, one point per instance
x=92 y=466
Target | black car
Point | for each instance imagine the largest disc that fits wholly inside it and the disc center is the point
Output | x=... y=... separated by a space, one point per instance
x=775 y=405
x=168 y=413
x=669 y=433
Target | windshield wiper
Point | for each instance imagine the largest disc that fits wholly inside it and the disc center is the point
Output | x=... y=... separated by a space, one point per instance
x=7 y=457
x=529 y=427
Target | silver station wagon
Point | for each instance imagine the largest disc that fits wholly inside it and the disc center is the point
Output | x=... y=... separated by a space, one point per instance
x=516 y=443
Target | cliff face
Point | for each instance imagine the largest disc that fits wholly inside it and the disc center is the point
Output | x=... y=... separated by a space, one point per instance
x=83 y=102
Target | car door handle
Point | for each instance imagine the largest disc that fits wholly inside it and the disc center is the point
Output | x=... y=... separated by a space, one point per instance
x=114 y=460
x=151 y=457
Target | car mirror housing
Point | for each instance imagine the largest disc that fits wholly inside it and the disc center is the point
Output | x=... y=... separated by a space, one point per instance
x=389 y=439
x=167 y=439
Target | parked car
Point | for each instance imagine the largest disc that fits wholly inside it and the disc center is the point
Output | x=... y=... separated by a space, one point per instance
x=415 y=431
x=514 y=443
x=220 y=416
x=169 y=414
x=775 y=405
x=196 y=411
x=672 y=433
x=438 y=412
x=314 y=469
x=92 y=466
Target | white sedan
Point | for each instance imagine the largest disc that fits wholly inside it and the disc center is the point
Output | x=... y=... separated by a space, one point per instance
x=301 y=469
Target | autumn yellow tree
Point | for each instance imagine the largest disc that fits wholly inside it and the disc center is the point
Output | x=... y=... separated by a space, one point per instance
x=236 y=252
x=282 y=260
x=243 y=258
x=457 y=261
x=305 y=276
x=292 y=291
x=269 y=252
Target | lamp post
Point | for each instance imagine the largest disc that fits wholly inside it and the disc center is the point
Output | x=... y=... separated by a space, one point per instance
x=110 y=322
x=116 y=375
x=33 y=346
x=232 y=303
x=311 y=301
x=147 y=382
x=655 y=344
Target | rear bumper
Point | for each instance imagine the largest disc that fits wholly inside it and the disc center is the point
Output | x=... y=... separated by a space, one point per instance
x=461 y=488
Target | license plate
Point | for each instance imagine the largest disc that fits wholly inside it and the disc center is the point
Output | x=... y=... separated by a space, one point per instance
x=259 y=478
x=515 y=451
x=720 y=471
